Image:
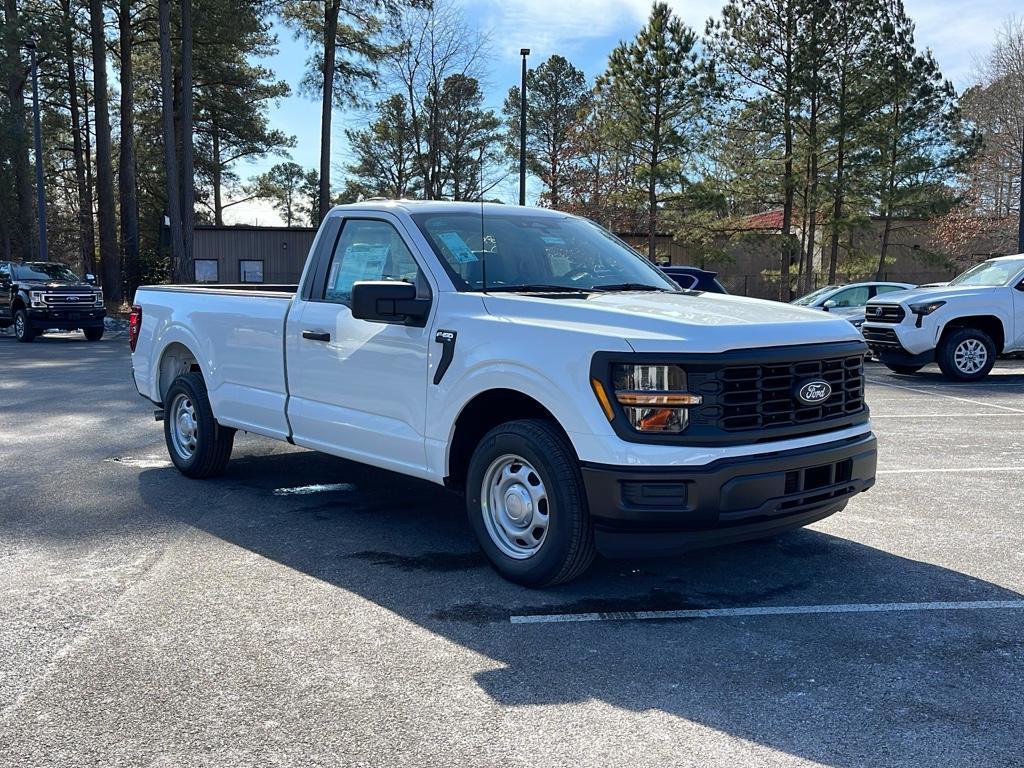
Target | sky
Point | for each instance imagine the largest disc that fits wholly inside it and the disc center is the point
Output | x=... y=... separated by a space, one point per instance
x=584 y=31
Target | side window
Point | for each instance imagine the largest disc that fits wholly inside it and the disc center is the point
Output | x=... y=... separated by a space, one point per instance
x=368 y=249
x=5 y=273
x=852 y=297
x=888 y=289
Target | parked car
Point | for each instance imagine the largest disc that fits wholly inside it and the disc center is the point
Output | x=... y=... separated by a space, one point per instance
x=695 y=279
x=963 y=325
x=530 y=359
x=39 y=295
x=847 y=301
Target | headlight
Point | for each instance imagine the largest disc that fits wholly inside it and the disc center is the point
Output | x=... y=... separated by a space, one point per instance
x=924 y=309
x=37 y=298
x=653 y=397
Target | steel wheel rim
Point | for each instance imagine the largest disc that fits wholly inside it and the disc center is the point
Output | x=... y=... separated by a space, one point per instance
x=19 y=325
x=970 y=356
x=515 y=508
x=184 y=427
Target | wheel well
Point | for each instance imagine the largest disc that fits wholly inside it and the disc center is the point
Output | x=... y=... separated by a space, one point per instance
x=175 y=360
x=17 y=304
x=482 y=414
x=991 y=325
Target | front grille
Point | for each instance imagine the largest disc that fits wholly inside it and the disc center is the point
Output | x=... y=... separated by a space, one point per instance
x=884 y=338
x=884 y=313
x=751 y=397
x=69 y=300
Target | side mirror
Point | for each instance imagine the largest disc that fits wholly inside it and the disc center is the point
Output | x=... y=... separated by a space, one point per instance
x=829 y=305
x=388 y=301
x=90 y=278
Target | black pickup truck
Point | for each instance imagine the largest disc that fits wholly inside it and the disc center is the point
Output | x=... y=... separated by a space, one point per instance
x=38 y=295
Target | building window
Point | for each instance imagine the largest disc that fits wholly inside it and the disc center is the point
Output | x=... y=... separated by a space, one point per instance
x=206 y=271
x=250 y=271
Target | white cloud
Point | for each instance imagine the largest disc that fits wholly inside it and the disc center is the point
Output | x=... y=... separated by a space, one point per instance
x=254 y=212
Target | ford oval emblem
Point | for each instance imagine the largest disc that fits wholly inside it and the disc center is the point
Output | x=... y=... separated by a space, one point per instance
x=814 y=392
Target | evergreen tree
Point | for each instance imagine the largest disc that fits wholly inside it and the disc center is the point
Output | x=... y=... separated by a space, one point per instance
x=385 y=154
x=655 y=88
x=557 y=98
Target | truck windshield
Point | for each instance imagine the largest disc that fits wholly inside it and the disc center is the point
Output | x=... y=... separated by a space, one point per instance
x=535 y=253
x=990 y=273
x=43 y=270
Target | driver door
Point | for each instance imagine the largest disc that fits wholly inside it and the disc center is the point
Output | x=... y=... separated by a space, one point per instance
x=358 y=388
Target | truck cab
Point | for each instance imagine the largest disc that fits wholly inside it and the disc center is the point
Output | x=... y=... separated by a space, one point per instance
x=577 y=397
x=963 y=325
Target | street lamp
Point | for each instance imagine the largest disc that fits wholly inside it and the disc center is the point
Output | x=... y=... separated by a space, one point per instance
x=40 y=190
x=524 y=52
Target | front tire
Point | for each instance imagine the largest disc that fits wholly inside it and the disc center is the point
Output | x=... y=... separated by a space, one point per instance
x=197 y=444
x=966 y=354
x=527 y=506
x=23 y=330
x=93 y=334
x=906 y=370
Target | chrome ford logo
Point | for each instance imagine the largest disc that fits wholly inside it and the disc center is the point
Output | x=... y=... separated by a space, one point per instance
x=814 y=392
x=71 y=298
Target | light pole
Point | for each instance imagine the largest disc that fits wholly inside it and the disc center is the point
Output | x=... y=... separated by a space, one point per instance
x=40 y=189
x=524 y=52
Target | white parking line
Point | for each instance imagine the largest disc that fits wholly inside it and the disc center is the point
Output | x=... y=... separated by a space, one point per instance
x=956 y=470
x=948 y=397
x=780 y=610
x=875 y=416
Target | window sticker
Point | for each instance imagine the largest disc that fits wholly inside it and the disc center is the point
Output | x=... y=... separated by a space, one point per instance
x=552 y=240
x=361 y=261
x=457 y=247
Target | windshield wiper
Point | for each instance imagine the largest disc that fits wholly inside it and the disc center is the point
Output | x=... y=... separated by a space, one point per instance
x=631 y=287
x=535 y=288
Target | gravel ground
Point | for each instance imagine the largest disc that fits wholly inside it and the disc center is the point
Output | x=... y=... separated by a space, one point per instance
x=152 y=620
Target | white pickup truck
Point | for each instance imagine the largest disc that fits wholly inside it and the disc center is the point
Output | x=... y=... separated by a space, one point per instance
x=963 y=325
x=580 y=399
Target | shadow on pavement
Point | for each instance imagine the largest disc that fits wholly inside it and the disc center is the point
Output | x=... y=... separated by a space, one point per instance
x=843 y=690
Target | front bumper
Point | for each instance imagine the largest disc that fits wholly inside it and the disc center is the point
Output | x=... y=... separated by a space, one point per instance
x=667 y=510
x=67 y=319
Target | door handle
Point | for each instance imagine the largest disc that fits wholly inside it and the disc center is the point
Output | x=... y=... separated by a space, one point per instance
x=316 y=335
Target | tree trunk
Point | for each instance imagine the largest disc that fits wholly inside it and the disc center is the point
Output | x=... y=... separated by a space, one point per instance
x=788 y=182
x=179 y=267
x=218 y=174
x=1020 y=209
x=890 y=195
x=15 y=86
x=188 y=190
x=327 y=108
x=90 y=188
x=126 y=168
x=86 y=241
x=837 y=203
x=812 y=196
x=652 y=185
x=110 y=257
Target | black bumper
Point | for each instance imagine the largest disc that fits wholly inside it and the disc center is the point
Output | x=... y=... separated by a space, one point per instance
x=667 y=510
x=885 y=345
x=67 y=320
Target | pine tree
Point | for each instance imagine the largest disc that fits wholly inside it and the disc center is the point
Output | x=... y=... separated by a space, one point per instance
x=557 y=98
x=385 y=154
x=655 y=87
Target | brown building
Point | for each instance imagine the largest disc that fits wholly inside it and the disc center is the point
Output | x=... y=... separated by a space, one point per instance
x=244 y=254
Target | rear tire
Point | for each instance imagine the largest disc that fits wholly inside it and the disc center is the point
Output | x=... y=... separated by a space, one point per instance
x=197 y=444
x=93 y=334
x=23 y=330
x=906 y=370
x=527 y=506
x=966 y=354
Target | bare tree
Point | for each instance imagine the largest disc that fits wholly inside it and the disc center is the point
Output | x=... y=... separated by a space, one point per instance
x=1007 y=64
x=432 y=43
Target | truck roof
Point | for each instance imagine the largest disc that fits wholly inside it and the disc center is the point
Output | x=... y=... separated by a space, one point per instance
x=449 y=206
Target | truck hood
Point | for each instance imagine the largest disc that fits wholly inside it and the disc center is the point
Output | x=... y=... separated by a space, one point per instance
x=666 y=322
x=937 y=293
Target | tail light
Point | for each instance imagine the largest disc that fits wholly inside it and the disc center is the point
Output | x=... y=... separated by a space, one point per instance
x=134 y=326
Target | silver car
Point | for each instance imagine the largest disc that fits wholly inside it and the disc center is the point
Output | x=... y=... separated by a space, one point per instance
x=848 y=300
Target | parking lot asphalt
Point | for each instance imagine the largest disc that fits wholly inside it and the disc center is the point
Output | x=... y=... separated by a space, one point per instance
x=148 y=619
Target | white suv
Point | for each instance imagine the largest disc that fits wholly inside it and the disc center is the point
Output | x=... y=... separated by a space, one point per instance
x=963 y=326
